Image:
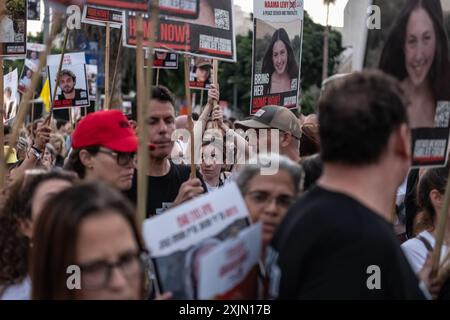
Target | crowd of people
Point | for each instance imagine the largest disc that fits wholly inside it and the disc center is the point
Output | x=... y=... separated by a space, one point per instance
x=332 y=221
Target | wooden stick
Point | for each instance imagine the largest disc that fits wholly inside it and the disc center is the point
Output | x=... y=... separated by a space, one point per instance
x=440 y=231
x=201 y=98
x=187 y=63
x=157 y=76
x=58 y=76
x=24 y=106
x=2 y=133
x=215 y=81
x=108 y=40
x=113 y=86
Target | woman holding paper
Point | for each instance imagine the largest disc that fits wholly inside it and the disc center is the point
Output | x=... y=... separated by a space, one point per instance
x=279 y=62
x=417 y=53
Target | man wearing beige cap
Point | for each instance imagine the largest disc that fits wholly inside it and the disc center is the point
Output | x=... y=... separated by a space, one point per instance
x=281 y=119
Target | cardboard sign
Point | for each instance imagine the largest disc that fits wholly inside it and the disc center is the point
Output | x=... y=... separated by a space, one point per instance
x=201 y=73
x=34 y=10
x=100 y=16
x=72 y=90
x=177 y=237
x=13 y=28
x=210 y=34
x=163 y=60
x=430 y=145
x=10 y=96
x=277 y=43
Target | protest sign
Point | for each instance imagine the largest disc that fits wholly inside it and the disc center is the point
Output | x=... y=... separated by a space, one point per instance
x=201 y=73
x=100 y=16
x=34 y=10
x=10 y=97
x=72 y=90
x=230 y=270
x=164 y=60
x=33 y=53
x=428 y=110
x=92 y=73
x=192 y=228
x=13 y=27
x=25 y=77
x=210 y=34
x=277 y=47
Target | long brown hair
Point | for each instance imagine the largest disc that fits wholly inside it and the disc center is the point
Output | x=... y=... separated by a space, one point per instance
x=392 y=59
x=57 y=234
x=16 y=208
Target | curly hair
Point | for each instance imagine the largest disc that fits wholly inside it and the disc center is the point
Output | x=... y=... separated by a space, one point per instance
x=16 y=208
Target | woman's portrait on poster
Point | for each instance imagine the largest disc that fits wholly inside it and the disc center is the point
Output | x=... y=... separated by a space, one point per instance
x=279 y=62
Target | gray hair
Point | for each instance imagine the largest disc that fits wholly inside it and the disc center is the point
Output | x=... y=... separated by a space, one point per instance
x=249 y=171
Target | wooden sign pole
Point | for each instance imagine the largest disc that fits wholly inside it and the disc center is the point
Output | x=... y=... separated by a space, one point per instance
x=2 y=131
x=187 y=63
x=107 y=53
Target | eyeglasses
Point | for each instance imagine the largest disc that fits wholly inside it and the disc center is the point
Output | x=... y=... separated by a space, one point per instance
x=122 y=158
x=262 y=197
x=97 y=275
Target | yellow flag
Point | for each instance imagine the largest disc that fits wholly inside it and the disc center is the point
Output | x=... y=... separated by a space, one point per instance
x=45 y=95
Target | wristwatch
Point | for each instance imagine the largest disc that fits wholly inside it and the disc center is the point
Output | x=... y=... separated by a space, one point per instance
x=36 y=153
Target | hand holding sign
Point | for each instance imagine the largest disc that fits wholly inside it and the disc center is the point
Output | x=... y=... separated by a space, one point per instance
x=188 y=190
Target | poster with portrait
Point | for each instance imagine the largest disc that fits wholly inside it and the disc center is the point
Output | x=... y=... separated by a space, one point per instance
x=163 y=60
x=26 y=76
x=229 y=271
x=413 y=47
x=34 y=10
x=201 y=73
x=34 y=51
x=72 y=89
x=10 y=95
x=277 y=49
x=178 y=238
x=209 y=33
x=13 y=28
x=92 y=74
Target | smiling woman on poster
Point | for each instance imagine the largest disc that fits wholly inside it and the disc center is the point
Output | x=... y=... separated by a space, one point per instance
x=279 y=62
x=417 y=53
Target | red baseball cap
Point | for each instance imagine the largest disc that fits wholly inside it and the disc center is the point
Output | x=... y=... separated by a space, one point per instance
x=109 y=129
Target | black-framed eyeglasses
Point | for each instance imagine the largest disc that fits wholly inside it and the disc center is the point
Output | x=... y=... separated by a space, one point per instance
x=122 y=158
x=262 y=197
x=97 y=275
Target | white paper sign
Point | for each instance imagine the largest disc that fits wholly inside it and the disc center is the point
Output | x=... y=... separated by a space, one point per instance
x=228 y=264
x=188 y=224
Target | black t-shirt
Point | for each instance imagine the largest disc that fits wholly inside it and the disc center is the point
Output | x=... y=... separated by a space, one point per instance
x=325 y=247
x=163 y=190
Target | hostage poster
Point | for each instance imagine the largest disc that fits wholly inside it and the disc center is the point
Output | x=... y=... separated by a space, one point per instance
x=413 y=47
x=178 y=238
x=163 y=60
x=230 y=270
x=10 y=96
x=208 y=33
x=72 y=89
x=277 y=47
x=13 y=28
x=31 y=65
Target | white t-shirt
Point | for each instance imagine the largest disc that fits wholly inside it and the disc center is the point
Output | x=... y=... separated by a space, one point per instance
x=20 y=291
x=416 y=252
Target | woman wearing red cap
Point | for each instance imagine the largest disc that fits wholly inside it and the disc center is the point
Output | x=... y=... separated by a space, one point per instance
x=104 y=148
